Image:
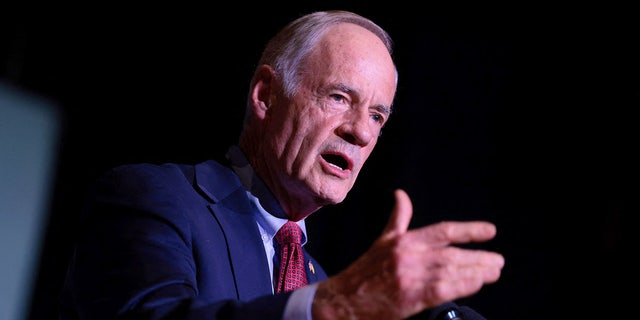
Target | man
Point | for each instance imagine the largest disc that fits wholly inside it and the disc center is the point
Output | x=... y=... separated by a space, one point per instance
x=178 y=241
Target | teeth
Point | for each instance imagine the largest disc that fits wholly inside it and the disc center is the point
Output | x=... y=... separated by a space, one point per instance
x=336 y=161
x=333 y=165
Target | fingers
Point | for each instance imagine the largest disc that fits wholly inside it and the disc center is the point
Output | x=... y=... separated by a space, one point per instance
x=439 y=234
x=450 y=273
x=466 y=263
x=440 y=292
x=456 y=256
x=400 y=215
x=464 y=277
x=406 y=271
x=457 y=232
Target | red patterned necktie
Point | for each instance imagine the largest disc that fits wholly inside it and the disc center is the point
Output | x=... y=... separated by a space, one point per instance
x=292 y=274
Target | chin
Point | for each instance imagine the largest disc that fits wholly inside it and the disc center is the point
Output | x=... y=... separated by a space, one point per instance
x=330 y=197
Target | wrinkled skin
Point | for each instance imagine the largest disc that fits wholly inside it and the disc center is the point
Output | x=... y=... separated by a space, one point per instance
x=407 y=271
x=345 y=98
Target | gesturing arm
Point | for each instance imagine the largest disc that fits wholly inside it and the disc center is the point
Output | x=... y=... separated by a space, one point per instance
x=407 y=271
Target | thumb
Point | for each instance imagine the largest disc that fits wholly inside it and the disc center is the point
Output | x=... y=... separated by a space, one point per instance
x=400 y=215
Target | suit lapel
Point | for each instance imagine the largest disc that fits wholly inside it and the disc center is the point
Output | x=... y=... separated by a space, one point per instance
x=246 y=251
x=233 y=211
x=315 y=272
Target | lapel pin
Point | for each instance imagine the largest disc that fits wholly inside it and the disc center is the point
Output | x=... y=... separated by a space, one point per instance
x=311 y=268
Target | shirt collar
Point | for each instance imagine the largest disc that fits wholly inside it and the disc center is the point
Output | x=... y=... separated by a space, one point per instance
x=270 y=215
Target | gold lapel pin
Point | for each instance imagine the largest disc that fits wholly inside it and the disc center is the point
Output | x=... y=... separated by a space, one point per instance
x=311 y=268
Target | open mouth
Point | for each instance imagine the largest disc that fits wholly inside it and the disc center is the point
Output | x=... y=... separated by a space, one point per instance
x=336 y=160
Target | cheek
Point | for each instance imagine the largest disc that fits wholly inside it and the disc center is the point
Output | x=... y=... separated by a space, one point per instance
x=315 y=126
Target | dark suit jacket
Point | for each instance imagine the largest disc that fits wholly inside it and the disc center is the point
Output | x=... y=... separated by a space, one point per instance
x=173 y=241
x=176 y=241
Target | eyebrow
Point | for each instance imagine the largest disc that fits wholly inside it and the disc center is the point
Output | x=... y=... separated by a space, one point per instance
x=380 y=107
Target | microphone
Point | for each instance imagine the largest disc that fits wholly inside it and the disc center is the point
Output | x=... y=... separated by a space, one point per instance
x=450 y=314
x=445 y=311
x=450 y=311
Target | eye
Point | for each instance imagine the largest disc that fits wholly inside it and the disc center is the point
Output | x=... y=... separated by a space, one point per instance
x=380 y=114
x=378 y=118
x=338 y=98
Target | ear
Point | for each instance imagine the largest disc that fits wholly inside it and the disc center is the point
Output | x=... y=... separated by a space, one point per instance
x=262 y=90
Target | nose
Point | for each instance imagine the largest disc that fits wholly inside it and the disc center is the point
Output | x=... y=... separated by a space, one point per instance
x=357 y=128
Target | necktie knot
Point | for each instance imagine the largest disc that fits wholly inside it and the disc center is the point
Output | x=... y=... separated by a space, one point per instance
x=290 y=232
x=292 y=273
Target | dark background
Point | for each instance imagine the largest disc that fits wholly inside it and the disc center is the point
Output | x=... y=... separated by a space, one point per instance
x=521 y=116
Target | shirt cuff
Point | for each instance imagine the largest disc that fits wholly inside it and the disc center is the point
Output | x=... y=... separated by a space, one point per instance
x=299 y=303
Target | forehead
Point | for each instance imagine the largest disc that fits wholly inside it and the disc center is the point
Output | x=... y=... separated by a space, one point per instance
x=350 y=54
